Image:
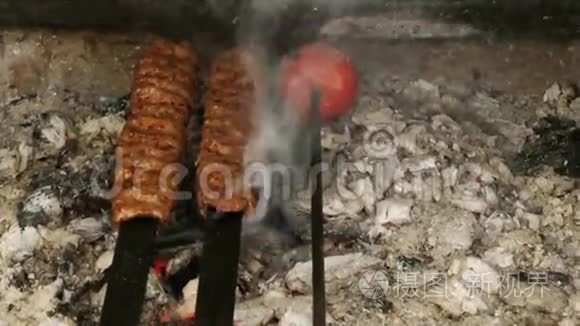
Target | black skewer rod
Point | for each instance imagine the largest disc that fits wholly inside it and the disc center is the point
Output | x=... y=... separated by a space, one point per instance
x=127 y=280
x=318 y=287
x=182 y=238
x=216 y=296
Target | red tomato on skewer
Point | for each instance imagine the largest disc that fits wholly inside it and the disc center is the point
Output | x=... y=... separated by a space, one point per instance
x=323 y=67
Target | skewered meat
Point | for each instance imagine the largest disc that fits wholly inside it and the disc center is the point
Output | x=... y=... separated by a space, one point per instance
x=229 y=104
x=154 y=136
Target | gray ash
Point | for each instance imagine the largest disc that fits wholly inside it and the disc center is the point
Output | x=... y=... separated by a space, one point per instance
x=113 y=105
x=75 y=192
x=555 y=144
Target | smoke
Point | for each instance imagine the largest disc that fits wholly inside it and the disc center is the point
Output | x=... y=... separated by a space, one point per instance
x=277 y=21
x=279 y=144
x=272 y=154
x=273 y=150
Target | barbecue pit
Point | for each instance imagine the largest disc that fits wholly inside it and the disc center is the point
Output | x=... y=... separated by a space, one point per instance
x=450 y=195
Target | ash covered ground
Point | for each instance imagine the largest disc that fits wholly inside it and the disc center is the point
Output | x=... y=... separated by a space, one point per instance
x=451 y=200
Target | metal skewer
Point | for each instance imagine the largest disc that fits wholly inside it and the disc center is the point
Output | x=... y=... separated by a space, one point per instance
x=185 y=237
x=318 y=286
x=216 y=295
x=129 y=271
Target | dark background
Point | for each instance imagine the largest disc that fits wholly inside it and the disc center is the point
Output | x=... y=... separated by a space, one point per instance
x=227 y=18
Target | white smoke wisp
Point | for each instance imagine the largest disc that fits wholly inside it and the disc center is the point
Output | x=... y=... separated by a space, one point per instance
x=271 y=154
x=273 y=143
x=278 y=140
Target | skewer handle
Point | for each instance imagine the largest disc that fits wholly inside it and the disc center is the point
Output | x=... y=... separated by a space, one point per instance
x=129 y=271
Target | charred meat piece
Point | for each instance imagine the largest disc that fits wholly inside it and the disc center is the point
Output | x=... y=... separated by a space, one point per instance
x=154 y=136
x=229 y=104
